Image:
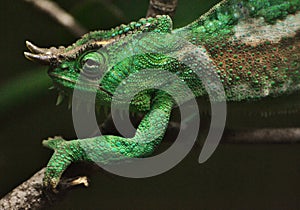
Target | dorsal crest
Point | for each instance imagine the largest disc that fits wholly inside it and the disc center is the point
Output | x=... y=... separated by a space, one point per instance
x=97 y=40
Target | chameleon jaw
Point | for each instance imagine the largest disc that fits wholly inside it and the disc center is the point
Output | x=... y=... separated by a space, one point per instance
x=93 y=86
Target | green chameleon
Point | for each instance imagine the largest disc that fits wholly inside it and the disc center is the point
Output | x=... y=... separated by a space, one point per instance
x=252 y=46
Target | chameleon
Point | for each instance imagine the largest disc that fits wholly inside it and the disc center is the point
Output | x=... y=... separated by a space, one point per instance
x=253 y=47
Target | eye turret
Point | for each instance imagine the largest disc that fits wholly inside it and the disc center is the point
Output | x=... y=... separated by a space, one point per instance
x=92 y=65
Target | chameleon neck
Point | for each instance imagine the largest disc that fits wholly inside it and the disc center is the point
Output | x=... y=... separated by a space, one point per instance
x=254 y=45
x=220 y=21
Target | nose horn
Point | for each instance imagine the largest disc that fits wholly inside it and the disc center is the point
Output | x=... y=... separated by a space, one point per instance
x=40 y=55
x=40 y=58
x=35 y=49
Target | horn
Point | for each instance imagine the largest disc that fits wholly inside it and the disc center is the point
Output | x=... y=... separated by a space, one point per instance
x=44 y=55
x=35 y=49
x=40 y=58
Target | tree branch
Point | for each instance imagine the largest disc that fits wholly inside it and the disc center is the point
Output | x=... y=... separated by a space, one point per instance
x=59 y=15
x=114 y=9
x=31 y=194
x=264 y=135
x=162 y=7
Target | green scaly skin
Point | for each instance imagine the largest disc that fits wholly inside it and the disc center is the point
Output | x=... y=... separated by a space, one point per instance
x=103 y=148
x=250 y=68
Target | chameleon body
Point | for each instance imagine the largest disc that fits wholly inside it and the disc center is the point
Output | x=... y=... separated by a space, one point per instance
x=252 y=46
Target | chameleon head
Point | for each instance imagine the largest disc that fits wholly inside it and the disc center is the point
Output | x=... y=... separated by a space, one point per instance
x=67 y=65
x=93 y=62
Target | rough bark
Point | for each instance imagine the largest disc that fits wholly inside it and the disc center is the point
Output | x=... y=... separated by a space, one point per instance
x=31 y=194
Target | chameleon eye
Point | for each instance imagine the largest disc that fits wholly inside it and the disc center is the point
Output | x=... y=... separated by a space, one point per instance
x=91 y=65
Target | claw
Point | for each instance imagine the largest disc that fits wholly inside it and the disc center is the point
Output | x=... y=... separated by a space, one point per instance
x=51 y=183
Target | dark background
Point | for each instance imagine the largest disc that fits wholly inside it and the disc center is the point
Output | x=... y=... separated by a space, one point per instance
x=237 y=176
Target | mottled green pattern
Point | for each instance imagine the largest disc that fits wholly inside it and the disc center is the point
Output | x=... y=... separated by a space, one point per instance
x=249 y=69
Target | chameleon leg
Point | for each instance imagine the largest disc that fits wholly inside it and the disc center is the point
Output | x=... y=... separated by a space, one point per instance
x=99 y=149
x=108 y=127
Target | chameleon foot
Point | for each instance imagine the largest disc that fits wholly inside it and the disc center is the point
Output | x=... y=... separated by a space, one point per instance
x=59 y=161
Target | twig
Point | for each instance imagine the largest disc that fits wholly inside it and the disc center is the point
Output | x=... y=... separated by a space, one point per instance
x=162 y=7
x=115 y=10
x=243 y=136
x=59 y=15
x=31 y=194
x=266 y=135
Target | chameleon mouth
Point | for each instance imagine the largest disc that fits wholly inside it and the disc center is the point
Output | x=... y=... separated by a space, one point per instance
x=92 y=85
